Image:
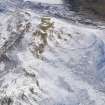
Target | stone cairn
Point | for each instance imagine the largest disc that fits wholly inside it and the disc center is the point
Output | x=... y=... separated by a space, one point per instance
x=42 y=32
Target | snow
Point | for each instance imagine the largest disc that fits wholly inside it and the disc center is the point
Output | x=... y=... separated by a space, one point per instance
x=70 y=71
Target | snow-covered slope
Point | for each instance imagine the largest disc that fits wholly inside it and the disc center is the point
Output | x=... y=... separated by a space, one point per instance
x=70 y=71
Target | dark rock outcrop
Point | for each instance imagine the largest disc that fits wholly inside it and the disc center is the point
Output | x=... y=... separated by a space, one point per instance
x=96 y=6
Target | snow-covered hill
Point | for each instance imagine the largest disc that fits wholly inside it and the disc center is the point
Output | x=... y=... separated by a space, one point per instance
x=70 y=71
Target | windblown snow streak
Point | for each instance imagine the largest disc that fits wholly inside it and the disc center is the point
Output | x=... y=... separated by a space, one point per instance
x=70 y=71
x=47 y=1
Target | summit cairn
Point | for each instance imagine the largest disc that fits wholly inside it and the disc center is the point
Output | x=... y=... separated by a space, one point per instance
x=44 y=27
x=42 y=34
